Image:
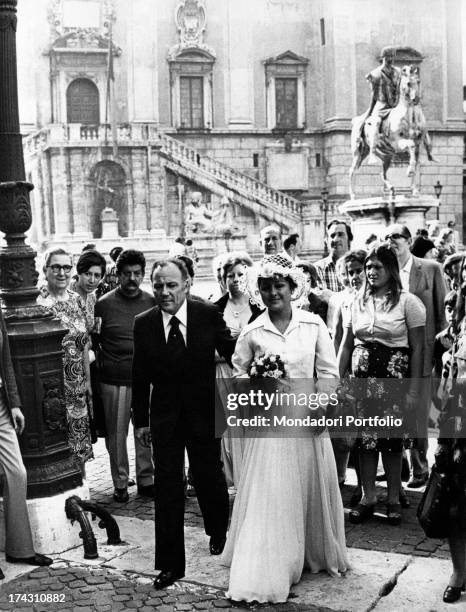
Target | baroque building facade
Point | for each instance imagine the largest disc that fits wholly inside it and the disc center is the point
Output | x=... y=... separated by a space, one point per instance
x=127 y=106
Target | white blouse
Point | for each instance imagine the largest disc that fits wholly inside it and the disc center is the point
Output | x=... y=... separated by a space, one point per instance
x=305 y=345
x=374 y=322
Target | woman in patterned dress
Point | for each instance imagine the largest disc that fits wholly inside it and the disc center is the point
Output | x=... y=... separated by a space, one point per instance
x=67 y=307
x=383 y=339
x=90 y=269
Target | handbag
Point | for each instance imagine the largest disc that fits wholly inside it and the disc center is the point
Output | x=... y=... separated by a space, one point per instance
x=435 y=507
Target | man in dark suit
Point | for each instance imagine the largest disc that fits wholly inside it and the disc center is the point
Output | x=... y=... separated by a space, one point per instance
x=174 y=349
x=423 y=278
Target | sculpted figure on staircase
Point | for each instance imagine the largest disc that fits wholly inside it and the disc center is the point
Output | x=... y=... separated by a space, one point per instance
x=198 y=217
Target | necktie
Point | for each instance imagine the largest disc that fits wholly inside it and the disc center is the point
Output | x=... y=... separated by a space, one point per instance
x=175 y=341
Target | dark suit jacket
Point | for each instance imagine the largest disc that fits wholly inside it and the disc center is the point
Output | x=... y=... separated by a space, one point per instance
x=427 y=282
x=6 y=369
x=182 y=392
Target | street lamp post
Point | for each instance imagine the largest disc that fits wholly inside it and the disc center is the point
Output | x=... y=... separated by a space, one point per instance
x=438 y=192
x=35 y=336
x=324 y=209
x=392 y=205
x=182 y=209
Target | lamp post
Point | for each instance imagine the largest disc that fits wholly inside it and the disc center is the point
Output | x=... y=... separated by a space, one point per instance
x=324 y=209
x=182 y=209
x=35 y=336
x=438 y=192
x=392 y=205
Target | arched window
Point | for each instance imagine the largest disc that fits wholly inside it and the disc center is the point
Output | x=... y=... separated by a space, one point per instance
x=82 y=100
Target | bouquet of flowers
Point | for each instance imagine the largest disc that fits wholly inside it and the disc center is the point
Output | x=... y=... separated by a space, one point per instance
x=267 y=365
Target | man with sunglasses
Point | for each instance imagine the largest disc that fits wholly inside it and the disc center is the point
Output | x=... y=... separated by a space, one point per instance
x=424 y=279
x=115 y=313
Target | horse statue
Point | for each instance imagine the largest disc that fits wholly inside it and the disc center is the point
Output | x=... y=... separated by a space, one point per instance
x=403 y=129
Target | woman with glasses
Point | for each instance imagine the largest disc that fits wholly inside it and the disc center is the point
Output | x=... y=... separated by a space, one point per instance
x=66 y=306
x=383 y=339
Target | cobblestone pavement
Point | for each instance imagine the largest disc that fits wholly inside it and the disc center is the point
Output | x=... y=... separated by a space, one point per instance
x=81 y=588
x=375 y=534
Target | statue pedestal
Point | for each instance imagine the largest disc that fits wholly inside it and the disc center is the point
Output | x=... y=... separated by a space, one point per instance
x=109 y=223
x=373 y=215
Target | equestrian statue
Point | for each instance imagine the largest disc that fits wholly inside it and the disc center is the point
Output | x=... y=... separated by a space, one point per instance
x=393 y=123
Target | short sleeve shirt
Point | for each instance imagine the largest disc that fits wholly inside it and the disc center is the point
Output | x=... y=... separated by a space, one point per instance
x=373 y=321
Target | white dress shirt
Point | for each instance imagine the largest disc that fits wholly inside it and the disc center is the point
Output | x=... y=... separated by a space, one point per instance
x=181 y=315
x=405 y=271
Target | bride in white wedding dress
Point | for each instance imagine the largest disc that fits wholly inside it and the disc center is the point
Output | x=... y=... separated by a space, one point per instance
x=288 y=513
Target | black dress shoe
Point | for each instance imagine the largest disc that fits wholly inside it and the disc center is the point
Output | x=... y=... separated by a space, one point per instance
x=217 y=544
x=417 y=482
x=146 y=490
x=2 y=575
x=37 y=559
x=166 y=578
x=121 y=495
x=452 y=594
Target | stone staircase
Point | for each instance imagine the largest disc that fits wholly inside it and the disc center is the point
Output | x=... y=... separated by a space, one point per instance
x=212 y=175
x=223 y=180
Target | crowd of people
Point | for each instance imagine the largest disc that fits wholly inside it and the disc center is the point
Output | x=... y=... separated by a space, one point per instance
x=394 y=310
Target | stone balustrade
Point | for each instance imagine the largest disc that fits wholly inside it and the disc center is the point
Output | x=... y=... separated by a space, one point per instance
x=88 y=135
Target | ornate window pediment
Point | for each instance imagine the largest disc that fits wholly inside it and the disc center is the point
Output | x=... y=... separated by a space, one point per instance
x=81 y=39
x=406 y=55
x=190 y=19
x=287 y=57
x=80 y=23
x=191 y=67
x=285 y=76
x=80 y=34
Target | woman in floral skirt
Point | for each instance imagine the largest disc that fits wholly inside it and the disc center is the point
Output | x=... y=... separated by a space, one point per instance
x=67 y=307
x=383 y=339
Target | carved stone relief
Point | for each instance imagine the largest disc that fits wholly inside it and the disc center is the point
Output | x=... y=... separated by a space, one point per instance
x=53 y=405
x=190 y=18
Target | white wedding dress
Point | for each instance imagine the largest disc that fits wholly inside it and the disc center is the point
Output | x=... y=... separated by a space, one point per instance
x=288 y=513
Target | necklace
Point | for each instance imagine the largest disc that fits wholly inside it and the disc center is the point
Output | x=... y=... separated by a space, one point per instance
x=236 y=313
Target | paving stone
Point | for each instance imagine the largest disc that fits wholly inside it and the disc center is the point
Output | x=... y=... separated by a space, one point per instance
x=95 y=579
x=76 y=584
x=67 y=579
x=121 y=598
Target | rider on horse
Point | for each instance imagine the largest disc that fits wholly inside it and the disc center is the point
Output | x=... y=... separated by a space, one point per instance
x=385 y=81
